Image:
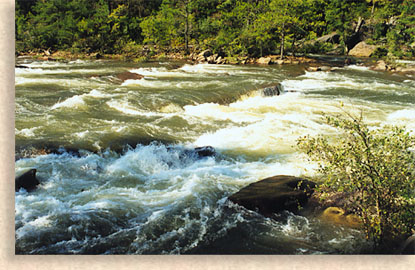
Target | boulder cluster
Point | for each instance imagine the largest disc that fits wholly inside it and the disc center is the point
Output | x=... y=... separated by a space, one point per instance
x=207 y=56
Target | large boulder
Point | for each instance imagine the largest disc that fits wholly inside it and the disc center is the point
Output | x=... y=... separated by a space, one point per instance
x=264 y=61
x=27 y=181
x=275 y=194
x=362 y=50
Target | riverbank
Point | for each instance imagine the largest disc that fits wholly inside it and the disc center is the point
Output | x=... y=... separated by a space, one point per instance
x=311 y=62
x=198 y=57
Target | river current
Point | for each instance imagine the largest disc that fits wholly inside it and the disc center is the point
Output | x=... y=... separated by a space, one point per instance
x=123 y=177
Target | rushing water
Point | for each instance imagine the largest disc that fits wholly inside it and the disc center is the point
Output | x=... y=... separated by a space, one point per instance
x=135 y=185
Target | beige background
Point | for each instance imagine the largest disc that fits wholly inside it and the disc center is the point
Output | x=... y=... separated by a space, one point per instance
x=9 y=261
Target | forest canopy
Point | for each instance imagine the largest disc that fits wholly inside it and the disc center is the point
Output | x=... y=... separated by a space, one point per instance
x=230 y=27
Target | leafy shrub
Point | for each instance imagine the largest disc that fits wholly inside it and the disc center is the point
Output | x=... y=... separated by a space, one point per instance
x=380 y=52
x=376 y=166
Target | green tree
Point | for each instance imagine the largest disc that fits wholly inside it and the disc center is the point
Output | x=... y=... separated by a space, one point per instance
x=401 y=37
x=162 y=28
x=171 y=26
x=376 y=168
x=342 y=15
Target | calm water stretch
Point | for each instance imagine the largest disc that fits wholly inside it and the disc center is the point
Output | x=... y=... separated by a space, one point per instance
x=135 y=185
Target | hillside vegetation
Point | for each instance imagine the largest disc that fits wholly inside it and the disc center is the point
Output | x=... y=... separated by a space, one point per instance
x=227 y=27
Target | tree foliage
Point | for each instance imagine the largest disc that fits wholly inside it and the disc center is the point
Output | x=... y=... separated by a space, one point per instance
x=232 y=27
x=376 y=167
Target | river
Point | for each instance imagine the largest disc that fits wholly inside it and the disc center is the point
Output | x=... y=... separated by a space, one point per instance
x=123 y=177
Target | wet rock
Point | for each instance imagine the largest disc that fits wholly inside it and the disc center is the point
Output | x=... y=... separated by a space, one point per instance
x=322 y=68
x=325 y=68
x=272 y=91
x=338 y=216
x=409 y=246
x=264 y=61
x=129 y=76
x=362 y=50
x=275 y=194
x=313 y=69
x=27 y=181
x=20 y=66
x=381 y=65
x=205 y=151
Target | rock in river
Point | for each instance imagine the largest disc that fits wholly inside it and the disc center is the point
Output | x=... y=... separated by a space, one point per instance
x=205 y=151
x=264 y=61
x=337 y=215
x=27 y=181
x=275 y=90
x=275 y=194
x=129 y=76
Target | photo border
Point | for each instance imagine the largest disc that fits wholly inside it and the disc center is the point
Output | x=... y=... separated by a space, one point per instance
x=8 y=260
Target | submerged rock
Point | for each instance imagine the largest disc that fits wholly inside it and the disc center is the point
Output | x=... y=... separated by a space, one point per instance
x=320 y=68
x=205 y=151
x=129 y=76
x=275 y=90
x=275 y=194
x=27 y=181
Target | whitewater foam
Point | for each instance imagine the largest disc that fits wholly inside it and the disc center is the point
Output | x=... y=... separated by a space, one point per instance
x=72 y=102
x=26 y=132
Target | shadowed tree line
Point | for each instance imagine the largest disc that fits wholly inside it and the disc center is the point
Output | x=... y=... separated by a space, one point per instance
x=229 y=27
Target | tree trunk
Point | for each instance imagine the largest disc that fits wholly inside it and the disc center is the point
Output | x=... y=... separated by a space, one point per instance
x=293 y=46
x=359 y=25
x=282 y=41
x=186 y=31
x=260 y=48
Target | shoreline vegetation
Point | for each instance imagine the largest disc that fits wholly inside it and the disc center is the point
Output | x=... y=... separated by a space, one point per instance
x=235 y=31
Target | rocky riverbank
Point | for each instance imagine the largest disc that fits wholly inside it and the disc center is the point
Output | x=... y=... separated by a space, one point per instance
x=312 y=63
